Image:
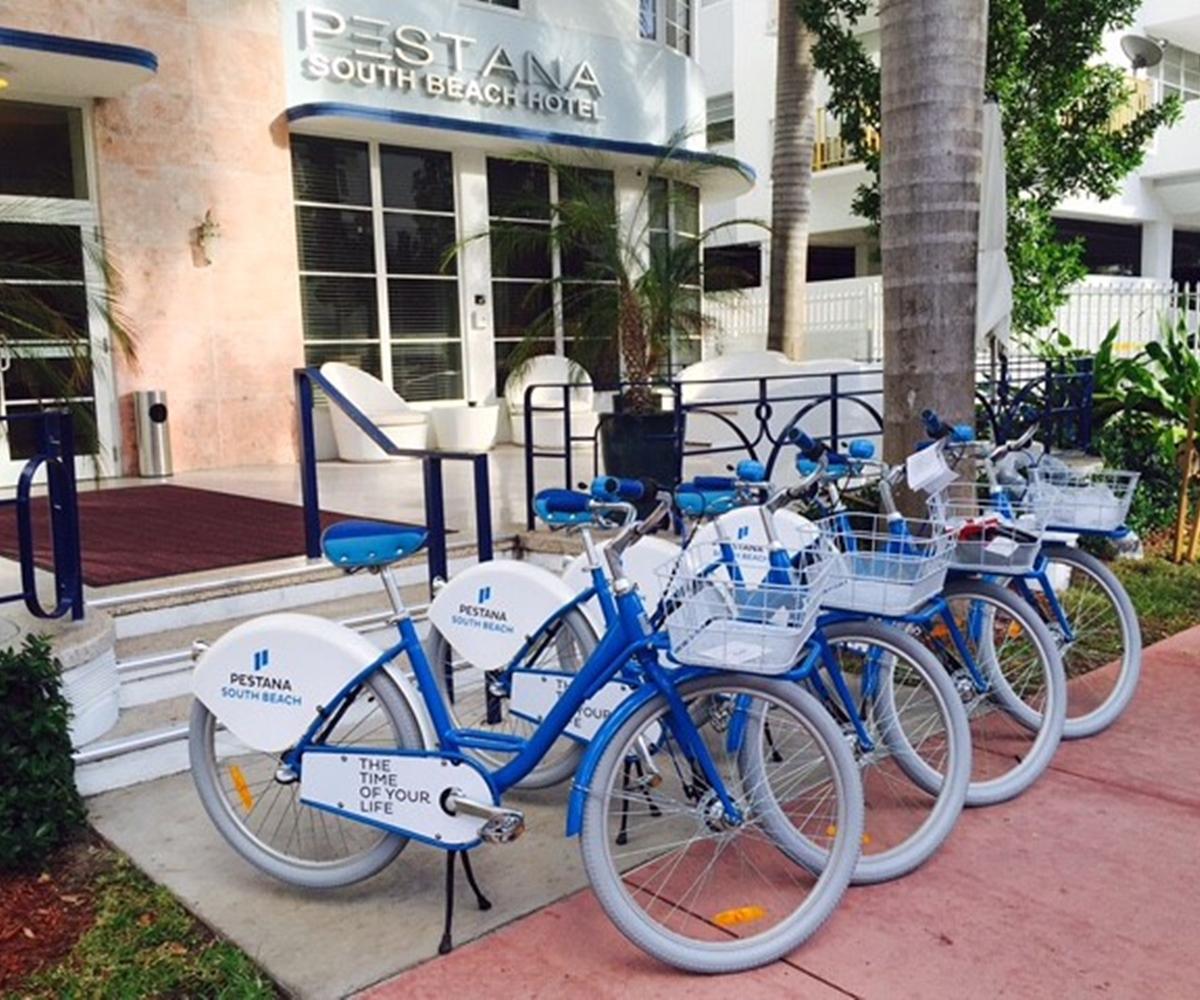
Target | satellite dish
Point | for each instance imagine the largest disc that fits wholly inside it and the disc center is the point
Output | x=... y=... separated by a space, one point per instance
x=1142 y=52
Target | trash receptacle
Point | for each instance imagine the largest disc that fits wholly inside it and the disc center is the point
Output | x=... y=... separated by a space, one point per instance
x=153 y=433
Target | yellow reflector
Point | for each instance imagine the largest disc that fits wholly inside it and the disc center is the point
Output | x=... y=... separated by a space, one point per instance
x=243 y=789
x=742 y=915
x=831 y=830
x=866 y=839
x=1014 y=630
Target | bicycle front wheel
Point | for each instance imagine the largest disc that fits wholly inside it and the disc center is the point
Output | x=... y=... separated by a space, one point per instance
x=1012 y=684
x=692 y=884
x=1103 y=658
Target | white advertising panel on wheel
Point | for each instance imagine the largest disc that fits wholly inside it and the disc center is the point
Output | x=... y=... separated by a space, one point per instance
x=487 y=611
x=743 y=529
x=266 y=679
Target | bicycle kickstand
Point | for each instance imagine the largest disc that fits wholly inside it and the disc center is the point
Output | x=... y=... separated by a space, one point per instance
x=447 y=943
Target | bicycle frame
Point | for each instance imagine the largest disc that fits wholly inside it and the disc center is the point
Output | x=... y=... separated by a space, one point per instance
x=626 y=641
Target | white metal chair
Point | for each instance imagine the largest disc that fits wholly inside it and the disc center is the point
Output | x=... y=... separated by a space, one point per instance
x=550 y=369
x=406 y=427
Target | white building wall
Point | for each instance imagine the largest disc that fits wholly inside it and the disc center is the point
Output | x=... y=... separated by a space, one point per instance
x=1163 y=195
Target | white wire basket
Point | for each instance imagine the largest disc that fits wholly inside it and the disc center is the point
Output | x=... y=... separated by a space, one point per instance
x=885 y=567
x=1096 y=502
x=718 y=621
x=993 y=533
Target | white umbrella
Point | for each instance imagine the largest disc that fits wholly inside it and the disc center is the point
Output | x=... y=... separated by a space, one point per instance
x=993 y=309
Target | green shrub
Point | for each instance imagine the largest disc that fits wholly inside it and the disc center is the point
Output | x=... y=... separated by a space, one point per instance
x=1138 y=443
x=40 y=807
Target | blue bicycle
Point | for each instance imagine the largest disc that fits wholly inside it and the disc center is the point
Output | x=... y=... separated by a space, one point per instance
x=319 y=770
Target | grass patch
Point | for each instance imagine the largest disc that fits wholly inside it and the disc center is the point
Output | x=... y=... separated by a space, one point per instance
x=143 y=943
x=1166 y=596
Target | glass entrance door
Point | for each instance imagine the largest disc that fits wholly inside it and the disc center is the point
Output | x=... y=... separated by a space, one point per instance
x=54 y=334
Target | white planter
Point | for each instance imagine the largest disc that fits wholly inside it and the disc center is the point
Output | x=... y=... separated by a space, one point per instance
x=465 y=428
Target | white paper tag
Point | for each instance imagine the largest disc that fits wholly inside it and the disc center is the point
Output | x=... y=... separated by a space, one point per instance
x=1001 y=546
x=927 y=470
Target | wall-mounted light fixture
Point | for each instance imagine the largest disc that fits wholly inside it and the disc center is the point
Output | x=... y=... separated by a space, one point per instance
x=5 y=70
x=205 y=237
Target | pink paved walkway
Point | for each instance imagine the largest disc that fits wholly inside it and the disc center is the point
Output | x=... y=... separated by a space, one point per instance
x=1084 y=887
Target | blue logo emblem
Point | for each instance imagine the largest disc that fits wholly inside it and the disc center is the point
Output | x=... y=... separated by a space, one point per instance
x=261 y=659
x=485 y=594
x=743 y=532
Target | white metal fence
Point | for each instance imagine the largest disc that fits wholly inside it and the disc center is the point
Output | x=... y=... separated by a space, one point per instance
x=845 y=318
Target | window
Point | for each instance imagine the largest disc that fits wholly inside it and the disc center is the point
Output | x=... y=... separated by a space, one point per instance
x=43 y=151
x=676 y=19
x=826 y=263
x=720 y=119
x=541 y=287
x=1179 y=73
x=1185 y=257
x=674 y=209
x=737 y=265
x=510 y=4
x=648 y=19
x=375 y=225
x=1108 y=247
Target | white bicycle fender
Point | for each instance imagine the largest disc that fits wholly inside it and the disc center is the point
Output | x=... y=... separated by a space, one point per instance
x=265 y=679
x=642 y=560
x=487 y=611
x=743 y=527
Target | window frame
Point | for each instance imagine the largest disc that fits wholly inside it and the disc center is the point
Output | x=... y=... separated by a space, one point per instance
x=382 y=276
x=662 y=24
x=559 y=284
x=674 y=234
x=710 y=122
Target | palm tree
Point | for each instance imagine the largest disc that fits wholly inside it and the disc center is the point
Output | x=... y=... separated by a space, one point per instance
x=933 y=58
x=791 y=173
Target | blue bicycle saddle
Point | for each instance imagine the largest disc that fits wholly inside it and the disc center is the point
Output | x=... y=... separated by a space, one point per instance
x=360 y=544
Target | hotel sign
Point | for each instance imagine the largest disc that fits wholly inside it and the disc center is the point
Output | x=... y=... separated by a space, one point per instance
x=358 y=51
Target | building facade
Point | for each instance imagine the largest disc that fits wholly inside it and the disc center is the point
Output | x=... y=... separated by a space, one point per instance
x=281 y=183
x=1151 y=230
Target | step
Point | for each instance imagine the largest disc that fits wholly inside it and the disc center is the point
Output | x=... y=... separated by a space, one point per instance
x=165 y=606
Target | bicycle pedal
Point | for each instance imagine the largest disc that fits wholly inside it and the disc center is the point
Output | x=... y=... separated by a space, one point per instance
x=503 y=828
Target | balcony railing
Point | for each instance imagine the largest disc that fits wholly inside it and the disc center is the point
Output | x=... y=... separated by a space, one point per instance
x=831 y=149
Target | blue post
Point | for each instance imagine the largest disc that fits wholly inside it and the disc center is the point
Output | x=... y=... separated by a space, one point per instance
x=568 y=470
x=483 y=508
x=308 y=466
x=834 y=405
x=64 y=499
x=435 y=520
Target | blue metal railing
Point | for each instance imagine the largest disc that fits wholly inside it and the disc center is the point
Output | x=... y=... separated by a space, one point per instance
x=1057 y=396
x=434 y=489
x=56 y=453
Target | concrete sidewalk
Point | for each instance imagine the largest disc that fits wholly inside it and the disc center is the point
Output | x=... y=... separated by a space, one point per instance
x=1085 y=886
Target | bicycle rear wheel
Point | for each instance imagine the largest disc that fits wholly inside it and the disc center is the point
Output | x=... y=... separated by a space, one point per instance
x=679 y=878
x=475 y=699
x=915 y=777
x=254 y=801
x=1103 y=660
x=1017 y=719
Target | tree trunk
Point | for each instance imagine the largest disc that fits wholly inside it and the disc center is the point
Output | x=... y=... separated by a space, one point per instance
x=791 y=174
x=933 y=59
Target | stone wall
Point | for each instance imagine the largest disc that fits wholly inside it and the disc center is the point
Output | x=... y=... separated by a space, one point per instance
x=205 y=134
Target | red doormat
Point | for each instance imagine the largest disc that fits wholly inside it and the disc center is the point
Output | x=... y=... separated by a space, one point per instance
x=146 y=532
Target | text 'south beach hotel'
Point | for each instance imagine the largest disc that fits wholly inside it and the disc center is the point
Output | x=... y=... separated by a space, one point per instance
x=279 y=183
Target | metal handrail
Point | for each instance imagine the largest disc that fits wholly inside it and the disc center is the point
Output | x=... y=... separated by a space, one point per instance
x=56 y=452
x=433 y=484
